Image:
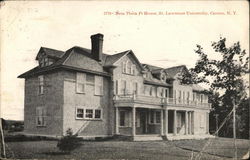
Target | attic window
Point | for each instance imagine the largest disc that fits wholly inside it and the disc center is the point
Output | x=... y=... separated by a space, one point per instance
x=45 y=61
x=128 y=68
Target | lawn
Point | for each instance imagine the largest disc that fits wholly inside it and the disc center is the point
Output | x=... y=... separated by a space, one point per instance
x=220 y=148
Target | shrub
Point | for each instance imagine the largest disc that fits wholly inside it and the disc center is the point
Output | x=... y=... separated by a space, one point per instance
x=69 y=142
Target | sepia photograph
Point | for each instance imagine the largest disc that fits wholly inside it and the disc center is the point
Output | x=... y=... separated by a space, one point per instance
x=127 y=80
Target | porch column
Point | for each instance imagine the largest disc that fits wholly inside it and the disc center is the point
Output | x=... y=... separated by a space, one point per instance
x=189 y=122
x=166 y=122
x=175 y=123
x=116 y=120
x=133 y=121
x=162 y=122
x=192 y=122
x=186 y=122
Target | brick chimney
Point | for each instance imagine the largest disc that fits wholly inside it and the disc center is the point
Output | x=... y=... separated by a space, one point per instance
x=96 y=46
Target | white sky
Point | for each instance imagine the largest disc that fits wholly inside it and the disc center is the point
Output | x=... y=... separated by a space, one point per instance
x=163 y=40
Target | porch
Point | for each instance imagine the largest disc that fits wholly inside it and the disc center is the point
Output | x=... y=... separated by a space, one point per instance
x=153 y=122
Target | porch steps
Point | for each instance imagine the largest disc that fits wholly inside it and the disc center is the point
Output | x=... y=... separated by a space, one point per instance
x=122 y=138
x=147 y=138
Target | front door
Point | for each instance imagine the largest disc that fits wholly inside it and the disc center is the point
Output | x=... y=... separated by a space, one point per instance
x=143 y=118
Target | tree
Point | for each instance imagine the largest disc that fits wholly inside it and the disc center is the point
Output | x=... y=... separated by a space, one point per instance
x=224 y=76
x=69 y=142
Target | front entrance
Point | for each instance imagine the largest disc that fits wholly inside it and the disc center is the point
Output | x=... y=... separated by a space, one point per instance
x=143 y=121
x=170 y=121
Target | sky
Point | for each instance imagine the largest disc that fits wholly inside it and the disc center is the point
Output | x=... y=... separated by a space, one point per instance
x=162 y=33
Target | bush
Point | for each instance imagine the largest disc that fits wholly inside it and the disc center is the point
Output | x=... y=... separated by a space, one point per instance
x=69 y=142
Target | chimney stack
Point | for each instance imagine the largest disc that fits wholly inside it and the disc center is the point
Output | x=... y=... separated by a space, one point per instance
x=96 y=46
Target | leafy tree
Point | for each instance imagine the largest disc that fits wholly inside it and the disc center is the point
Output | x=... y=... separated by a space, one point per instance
x=224 y=76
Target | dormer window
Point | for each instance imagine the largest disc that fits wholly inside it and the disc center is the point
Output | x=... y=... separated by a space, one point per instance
x=45 y=61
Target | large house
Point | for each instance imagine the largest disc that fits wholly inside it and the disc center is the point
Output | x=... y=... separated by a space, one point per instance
x=100 y=95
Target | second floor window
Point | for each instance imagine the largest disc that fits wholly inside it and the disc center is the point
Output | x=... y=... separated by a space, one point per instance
x=80 y=82
x=124 y=87
x=135 y=88
x=98 y=85
x=41 y=84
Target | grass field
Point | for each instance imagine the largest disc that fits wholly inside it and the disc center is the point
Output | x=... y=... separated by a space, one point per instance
x=219 y=148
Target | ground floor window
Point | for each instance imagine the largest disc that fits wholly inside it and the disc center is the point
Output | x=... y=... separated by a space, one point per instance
x=85 y=113
x=41 y=116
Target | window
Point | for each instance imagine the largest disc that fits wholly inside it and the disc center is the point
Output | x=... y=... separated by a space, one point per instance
x=42 y=62
x=137 y=121
x=133 y=69
x=179 y=97
x=152 y=117
x=155 y=117
x=90 y=79
x=40 y=116
x=122 y=118
x=46 y=61
x=97 y=114
x=135 y=88
x=166 y=92
x=79 y=113
x=89 y=113
x=151 y=91
x=41 y=84
x=124 y=67
x=202 y=98
x=80 y=82
x=124 y=86
x=116 y=87
x=86 y=113
x=98 y=85
x=129 y=67
x=188 y=97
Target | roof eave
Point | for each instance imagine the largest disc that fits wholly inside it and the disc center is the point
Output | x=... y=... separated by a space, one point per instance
x=155 y=83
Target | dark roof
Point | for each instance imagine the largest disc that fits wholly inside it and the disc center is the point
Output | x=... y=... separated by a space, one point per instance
x=151 y=67
x=51 y=52
x=172 y=71
x=111 y=59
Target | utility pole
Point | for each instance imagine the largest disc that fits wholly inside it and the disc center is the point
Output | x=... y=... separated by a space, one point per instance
x=234 y=129
x=2 y=149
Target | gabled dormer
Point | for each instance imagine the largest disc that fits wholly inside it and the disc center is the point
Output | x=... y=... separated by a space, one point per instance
x=47 y=56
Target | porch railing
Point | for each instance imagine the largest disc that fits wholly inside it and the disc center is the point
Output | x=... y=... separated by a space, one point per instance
x=159 y=100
